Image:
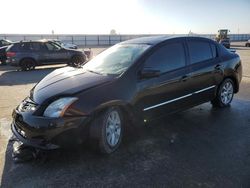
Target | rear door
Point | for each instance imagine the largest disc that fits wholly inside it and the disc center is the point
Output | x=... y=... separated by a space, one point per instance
x=205 y=69
x=37 y=50
x=168 y=92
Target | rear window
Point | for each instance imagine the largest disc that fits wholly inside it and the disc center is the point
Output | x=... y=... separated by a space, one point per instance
x=13 y=47
x=199 y=51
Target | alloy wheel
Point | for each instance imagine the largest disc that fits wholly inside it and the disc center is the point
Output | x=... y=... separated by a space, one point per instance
x=113 y=128
x=226 y=94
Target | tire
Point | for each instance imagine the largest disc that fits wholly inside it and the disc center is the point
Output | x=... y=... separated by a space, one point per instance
x=105 y=138
x=77 y=61
x=224 y=94
x=2 y=61
x=27 y=64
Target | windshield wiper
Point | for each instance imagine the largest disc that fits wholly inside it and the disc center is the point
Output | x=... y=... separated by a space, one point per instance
x=95 y=72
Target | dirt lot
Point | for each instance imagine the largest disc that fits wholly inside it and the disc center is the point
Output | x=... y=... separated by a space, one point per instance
x=200 y=147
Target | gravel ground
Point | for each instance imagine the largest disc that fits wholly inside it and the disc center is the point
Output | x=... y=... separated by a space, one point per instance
x=200 y=147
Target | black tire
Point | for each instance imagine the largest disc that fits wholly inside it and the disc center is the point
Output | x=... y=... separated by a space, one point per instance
x=100 y=137
x=77 y=61
x=224 y=97
x=2 y=61
x=27 y=64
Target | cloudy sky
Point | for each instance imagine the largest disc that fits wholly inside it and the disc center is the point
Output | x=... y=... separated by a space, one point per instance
x=125 y=16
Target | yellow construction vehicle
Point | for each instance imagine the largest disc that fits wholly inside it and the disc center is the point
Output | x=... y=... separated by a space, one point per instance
x=222 y=37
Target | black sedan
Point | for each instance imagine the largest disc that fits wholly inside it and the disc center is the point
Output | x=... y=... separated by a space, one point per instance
x=136 y=80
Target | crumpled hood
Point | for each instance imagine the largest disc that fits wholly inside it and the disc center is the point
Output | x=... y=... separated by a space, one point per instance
x=66 y=81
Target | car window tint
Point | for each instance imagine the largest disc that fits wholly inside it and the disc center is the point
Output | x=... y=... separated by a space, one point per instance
x=51 y=46
x=35 y=46
x=167 y=58
x=199 y=51
x=14 y=47
x=214 y=50
x=25 y=46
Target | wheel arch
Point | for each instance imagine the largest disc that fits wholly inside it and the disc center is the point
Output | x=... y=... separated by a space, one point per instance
x=32 y=58
x=125 y=107
x=78 y=55
x=236 y=83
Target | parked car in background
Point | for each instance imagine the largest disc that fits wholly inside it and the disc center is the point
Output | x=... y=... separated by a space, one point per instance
x=63 y=44
x=89 y=53
x=247 y=43
x=3 y=46
x=225 y=42
x=139 y=79
x=30 y=54
x=3 y=56
x=4 y=42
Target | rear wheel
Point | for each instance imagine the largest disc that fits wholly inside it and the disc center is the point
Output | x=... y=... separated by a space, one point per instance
x=225 y=94
x=107 y=130
x=27 y=64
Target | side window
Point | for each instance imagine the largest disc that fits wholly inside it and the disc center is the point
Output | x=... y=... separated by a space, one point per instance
x=199 y=51
x=35 y=46
x=25 y=46
x=52 y=47
x=214 y=50
x=167 y=58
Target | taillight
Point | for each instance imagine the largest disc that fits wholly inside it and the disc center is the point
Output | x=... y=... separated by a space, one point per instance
x=11 y=54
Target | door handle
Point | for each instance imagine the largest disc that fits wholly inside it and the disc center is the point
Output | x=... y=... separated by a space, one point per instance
x=217 y=67
x=185 y=78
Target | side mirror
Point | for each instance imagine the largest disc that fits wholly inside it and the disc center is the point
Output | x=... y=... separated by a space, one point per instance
x=149 y=73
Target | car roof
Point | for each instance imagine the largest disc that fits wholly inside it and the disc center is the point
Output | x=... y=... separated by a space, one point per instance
x=154 y=40
x=31 y=41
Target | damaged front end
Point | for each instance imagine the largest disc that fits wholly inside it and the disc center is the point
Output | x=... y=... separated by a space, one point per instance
x=46 y=133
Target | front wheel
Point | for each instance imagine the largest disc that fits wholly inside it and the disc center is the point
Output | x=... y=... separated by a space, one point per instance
x=77 y=61
x=107 y=130
x=224 y=94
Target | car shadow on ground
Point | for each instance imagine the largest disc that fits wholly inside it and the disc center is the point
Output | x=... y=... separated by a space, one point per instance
x=11 y=76
x=200 y=147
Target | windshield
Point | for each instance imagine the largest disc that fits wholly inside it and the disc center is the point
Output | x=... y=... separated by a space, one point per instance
x=116 y=59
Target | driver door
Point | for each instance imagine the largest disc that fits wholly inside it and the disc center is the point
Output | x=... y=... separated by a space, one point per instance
x=55 y=54
x=169 y=91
